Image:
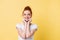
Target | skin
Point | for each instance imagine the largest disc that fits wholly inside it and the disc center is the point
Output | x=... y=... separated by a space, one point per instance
x=26 y=33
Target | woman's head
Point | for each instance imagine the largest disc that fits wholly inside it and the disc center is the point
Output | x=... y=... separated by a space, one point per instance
x=27 y=13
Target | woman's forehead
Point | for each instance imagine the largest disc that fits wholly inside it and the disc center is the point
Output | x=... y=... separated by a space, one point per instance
x=26 y=12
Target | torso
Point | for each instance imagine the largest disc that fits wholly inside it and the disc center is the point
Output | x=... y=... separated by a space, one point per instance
x=21 y=26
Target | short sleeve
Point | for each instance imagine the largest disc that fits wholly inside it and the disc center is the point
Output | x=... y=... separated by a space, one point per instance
x=18 y=25
x=33 y=26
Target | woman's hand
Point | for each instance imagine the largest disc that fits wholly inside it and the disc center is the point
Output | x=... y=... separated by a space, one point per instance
x=28 y=32
x=29 y=21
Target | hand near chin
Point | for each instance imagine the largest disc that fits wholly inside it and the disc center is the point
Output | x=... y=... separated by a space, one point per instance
x=30 y=20
x=27 y=22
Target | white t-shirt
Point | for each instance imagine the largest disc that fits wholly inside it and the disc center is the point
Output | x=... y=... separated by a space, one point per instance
x=21 y=26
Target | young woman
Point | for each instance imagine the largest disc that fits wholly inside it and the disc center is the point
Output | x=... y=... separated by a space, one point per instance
x=26 y=29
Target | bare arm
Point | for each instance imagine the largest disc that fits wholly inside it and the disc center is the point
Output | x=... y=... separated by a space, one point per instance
x=27 y=28
x=21 y=33
x=30 y=33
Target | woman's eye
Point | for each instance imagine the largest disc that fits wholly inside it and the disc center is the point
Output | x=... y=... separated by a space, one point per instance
x=24 y=14
x=28 y=14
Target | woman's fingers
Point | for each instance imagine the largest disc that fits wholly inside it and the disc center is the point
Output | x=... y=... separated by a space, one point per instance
x=30 y=20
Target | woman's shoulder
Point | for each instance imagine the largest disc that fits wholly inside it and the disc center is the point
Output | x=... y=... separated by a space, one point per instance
x=34 y=24
x=18 y=24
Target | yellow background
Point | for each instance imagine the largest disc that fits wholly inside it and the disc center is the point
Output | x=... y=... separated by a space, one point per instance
x=46 y=14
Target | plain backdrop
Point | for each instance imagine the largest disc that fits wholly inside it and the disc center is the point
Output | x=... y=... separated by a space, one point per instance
x=46 y=14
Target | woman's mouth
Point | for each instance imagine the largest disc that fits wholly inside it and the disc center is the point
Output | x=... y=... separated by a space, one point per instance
x=26 y=20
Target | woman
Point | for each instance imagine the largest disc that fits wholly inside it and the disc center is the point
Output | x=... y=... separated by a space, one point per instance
x=26 y=29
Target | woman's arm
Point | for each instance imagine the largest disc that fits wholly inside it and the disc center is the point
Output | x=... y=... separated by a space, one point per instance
x=29 y=33
x=21 y=33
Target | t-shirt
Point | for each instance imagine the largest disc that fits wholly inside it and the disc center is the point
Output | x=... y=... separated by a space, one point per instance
x=21 y=26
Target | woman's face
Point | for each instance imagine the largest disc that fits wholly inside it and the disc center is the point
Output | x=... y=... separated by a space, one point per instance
x=27 y=15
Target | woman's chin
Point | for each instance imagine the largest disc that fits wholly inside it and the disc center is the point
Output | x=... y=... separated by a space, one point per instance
x=26 y=20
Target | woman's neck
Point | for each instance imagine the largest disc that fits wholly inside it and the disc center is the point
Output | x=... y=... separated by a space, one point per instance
x=24 y=23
